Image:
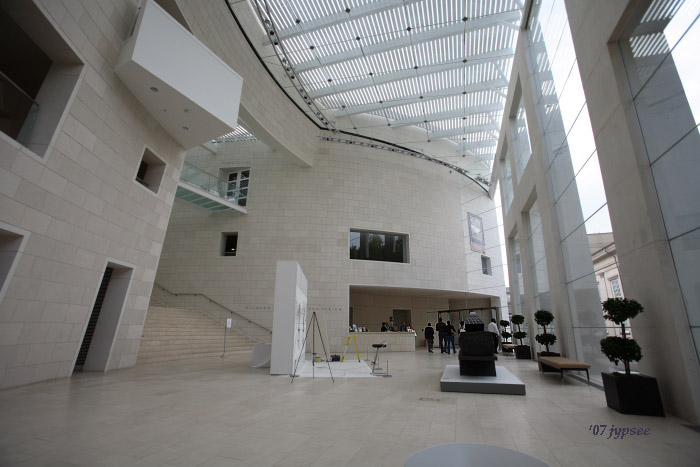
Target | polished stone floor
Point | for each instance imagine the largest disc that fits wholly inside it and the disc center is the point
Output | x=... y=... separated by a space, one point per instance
x=219 y=412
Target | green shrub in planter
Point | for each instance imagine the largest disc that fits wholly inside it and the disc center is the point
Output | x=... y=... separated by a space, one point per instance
x=619 y=349
x=543 y=318
x=619 y=310
x=518 y=320
x=625 y=392
x=505 y=334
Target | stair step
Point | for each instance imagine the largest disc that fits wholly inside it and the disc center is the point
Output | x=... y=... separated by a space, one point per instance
x=179 y=334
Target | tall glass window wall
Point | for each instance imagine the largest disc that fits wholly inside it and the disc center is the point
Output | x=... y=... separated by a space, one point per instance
x=572 y=163
x=521 y=138
x=507 y=181
x=538 y=259
x=660 y=53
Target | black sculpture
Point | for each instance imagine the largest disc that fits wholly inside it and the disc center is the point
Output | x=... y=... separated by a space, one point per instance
x=476 y=354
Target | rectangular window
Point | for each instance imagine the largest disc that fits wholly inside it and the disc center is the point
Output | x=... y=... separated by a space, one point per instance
x=615 y=286
x=151 y=170
x=486 y=265
x=378 y=246
x=229 y=244
x=12 y=242
x=38 y=75
x=238 y=185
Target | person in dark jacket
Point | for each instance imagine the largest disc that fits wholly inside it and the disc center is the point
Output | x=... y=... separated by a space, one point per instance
x=450 y=338
x=429 y=336
x=440 y=328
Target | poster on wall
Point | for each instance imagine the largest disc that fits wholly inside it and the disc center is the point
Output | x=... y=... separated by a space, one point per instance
x=299 y=326
x=476 y=233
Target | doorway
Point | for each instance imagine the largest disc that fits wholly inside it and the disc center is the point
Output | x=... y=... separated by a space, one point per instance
x=101 y=330
x=400 y=316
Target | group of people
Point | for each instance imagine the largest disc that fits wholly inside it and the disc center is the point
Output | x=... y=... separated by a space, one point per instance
x=388 y=326
x=446 y=332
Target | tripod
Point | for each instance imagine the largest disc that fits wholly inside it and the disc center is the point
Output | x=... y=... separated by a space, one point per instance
x=314 y=320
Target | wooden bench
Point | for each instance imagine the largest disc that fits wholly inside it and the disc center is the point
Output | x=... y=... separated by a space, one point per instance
x=562 y=364
x=508 y=347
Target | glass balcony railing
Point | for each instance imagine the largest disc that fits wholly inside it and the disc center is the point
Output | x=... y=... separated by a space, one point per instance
x=18 y=111
x=205 y=181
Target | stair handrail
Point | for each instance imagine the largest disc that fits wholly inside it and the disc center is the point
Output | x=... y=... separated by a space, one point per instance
x=214 y=301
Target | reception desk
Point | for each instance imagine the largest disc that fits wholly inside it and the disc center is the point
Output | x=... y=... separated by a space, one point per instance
x=395 y=341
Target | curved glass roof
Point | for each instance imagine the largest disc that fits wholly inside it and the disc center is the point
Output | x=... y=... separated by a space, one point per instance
x=437 y=68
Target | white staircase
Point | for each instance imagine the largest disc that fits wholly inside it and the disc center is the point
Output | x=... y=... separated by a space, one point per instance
x=177 y=334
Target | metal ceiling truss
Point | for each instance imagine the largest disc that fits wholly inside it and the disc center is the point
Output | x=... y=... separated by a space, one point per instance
x=426 y=96
x=464 y=112
x=410 y=39
x=381 y=78
x=357 y=12
x=397 y=59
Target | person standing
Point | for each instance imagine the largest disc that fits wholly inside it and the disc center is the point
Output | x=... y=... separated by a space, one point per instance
x=440 y=328
x=493 y=328
x=450 y=337
x=429 y=336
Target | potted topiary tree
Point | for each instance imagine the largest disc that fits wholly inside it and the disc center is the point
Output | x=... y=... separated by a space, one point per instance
x=626 y=392
x=545 y=318
x=521 y=351
x=505 y=345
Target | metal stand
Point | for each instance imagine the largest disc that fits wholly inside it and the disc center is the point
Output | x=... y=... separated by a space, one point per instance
x=376 y=360
x=222 y=355
x=313 y=320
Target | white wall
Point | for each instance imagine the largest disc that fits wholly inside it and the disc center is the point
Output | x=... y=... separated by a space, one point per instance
x=305 y=214
x=81 y=205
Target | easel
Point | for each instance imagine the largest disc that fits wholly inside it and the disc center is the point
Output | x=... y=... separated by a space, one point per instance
x=314 y=319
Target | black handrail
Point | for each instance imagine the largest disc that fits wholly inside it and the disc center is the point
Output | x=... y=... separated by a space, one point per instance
x=214 y=301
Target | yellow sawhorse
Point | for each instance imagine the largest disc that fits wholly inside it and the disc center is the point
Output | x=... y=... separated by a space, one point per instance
x=357 y=349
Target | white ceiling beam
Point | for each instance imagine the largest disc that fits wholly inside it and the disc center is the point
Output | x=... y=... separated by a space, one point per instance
x=487 y=143
x=442 y=93
x=473 y=60
x=409 y=40
x=464 y=112
x=461 y=131
x=323 y=22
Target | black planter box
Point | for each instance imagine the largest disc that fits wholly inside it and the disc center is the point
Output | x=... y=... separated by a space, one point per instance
x=544 y=368
x=633 y=394
x=522 y=352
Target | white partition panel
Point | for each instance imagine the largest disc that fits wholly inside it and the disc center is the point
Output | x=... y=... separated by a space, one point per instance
x=289 y=318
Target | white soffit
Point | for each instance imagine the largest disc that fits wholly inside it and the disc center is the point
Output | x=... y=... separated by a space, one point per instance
x=439 y=65
x=192 y=93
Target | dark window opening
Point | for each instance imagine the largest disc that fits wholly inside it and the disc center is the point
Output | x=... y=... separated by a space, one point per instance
x=229 y=244
x=378 y=246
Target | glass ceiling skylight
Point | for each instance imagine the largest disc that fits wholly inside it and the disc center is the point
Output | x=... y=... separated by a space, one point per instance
x=438 y=68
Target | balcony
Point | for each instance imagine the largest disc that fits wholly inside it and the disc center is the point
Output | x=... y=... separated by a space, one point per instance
x=208 y=191
x=189 y=90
